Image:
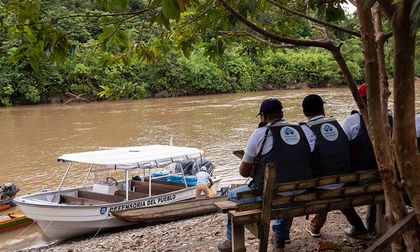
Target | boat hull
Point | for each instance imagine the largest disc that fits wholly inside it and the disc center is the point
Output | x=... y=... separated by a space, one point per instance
x=63 y=221
x=13 y=220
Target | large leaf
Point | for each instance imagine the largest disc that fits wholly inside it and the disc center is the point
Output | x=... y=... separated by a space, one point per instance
x=415 y=16
x=60 y=48
x=170 y=9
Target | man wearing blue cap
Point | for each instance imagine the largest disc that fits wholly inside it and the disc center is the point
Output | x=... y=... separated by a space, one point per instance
x=268 y=144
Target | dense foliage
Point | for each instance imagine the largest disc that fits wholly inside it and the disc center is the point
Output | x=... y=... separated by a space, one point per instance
x=99 y=61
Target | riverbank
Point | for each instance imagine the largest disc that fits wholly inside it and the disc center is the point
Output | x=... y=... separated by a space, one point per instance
x=204 y=233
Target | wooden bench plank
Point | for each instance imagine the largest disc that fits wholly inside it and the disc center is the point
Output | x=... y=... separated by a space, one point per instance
x=225 y=206
x=316 y=195
x=250 y=216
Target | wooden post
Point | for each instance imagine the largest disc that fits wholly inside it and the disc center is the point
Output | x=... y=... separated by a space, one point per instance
x=269 y=180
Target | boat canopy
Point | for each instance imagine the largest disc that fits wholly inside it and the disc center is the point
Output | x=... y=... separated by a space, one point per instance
x=135 y=157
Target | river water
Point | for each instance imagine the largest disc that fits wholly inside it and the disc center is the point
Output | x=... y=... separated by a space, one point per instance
x=32 y=137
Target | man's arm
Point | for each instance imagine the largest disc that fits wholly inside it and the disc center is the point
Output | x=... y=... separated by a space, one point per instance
x=210 y=181
x=245 y=169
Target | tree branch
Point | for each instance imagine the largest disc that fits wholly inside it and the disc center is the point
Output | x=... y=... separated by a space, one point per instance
x=54 y=20
x=248 y=34
x=327 y=44
x=388 y=7
x=315 y=20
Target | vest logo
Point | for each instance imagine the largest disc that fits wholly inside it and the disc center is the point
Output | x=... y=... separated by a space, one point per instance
x=329 y=132
x=289 y=135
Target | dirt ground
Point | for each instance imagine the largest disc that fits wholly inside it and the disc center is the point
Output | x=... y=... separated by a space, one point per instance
x=204 y=233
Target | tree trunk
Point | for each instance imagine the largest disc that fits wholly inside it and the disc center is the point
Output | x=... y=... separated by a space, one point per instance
x=380 y=224
x=376 y=129
x=381 y=38
x=404 y=136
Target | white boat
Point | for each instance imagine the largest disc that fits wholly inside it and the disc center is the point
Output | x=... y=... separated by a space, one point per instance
x=67 y=213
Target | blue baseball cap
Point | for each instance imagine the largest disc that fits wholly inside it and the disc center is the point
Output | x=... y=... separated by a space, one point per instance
x=270 y=104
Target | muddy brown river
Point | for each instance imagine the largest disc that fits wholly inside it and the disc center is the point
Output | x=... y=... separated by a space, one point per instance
x=32 y=137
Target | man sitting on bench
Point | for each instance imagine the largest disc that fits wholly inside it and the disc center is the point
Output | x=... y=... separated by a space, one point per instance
x=330 y=157
x=278 y=142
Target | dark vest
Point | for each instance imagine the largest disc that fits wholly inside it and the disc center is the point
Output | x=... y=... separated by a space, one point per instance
x=331 y=153
x=362 y=155
x=290 y=153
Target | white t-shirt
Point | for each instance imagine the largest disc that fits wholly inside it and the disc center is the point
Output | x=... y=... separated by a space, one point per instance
x=351 y=126
x=255 y=141
x=418 y=125
x=202 y=177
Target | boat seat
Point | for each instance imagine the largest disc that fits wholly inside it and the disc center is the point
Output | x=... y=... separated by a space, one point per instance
x=157 y=189
x=71 y=200
x=99 y=196
x=131 y=195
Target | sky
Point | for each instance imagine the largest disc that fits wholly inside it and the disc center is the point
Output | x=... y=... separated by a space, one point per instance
x=350 y=8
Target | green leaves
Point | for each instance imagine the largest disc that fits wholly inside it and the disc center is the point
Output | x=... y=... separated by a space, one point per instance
x=247 y=6
x=215 y=48
x=329 y=10
x=113 y=39
x=112 y=5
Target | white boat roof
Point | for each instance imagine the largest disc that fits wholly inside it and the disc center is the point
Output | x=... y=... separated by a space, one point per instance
x=135 y=157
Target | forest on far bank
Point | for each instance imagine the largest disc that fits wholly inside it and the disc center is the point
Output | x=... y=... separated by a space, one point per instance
x=100 y=71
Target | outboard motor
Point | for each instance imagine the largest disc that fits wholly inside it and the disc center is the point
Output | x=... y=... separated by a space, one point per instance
x=8 y=191
x=191 y=167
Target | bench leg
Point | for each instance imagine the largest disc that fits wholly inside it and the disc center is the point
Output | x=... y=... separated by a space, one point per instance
x=238 y=238
x=265 y=230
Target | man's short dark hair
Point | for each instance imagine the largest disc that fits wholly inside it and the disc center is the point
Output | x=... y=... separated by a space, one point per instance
x=313 y=105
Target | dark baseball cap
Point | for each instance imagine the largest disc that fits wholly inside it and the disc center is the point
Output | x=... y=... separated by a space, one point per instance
x=270 y=104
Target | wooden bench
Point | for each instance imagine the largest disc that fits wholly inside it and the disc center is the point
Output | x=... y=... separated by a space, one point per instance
x=71 y=200
x=131 y=195
x=99 y=196
x=256 y=216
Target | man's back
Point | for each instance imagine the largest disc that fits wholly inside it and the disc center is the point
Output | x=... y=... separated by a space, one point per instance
x=331 y=152
x=290 y=152
x=202 y=177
